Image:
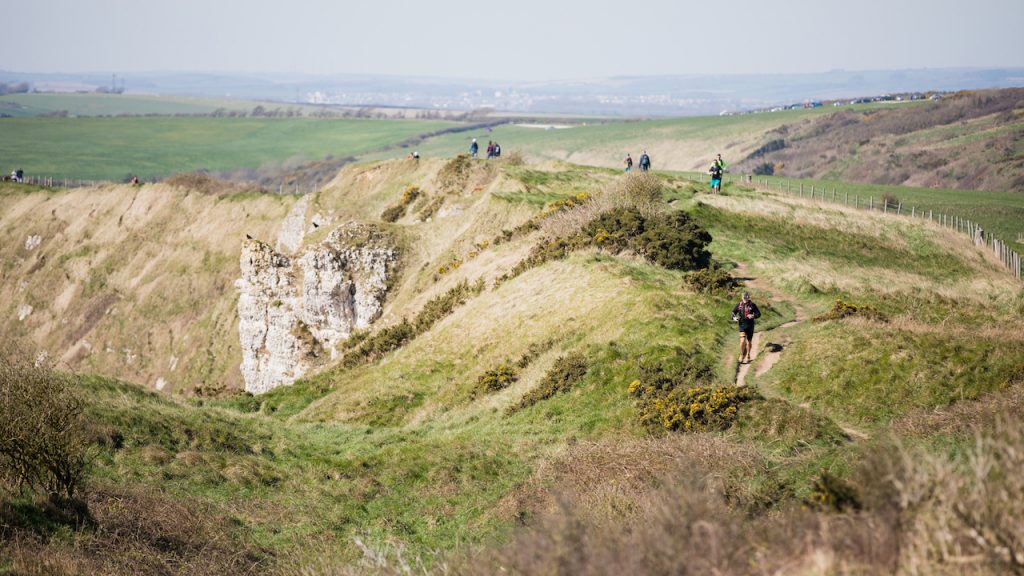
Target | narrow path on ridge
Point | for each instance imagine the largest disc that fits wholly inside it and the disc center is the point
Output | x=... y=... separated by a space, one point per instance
x=773 y=350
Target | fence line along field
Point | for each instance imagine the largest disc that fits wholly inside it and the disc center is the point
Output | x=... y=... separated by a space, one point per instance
x=113 y=148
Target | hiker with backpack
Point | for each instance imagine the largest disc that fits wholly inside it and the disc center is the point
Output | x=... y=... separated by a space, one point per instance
x=716 y=177
x=745 y=313
x=629 y=162
x=473 y=148
x=645 y=161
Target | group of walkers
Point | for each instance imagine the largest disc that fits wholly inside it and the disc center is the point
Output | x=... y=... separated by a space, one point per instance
x=493 y=149
x=16 y=176
x=644 y=164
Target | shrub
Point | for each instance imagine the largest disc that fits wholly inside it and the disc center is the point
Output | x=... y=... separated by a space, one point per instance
x=454 y=175
x=564 y=373
x=711 y=280
x=393 y=213
x=641 y=188
x=431 y=208
x=443 y=305
x=394 y=337
x=676 y=242
x=841 y=309
x=765 y=169
x=671 y=240
x=495 y=379
x=410 y=194
x=833 y=493
x=676 y=393
x=890 y=200
x=388 y=339
x=43 y=440
x=771 y=146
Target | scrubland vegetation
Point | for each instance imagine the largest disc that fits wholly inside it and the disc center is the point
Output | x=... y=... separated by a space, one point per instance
x=563 y=401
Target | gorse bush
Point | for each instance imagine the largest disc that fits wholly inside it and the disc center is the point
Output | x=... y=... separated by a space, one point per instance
x=676 y=393
x=671 y=240
x=395 y=212
x=443 y=305
x=455 y=174
x=395 y=336
x=563 y=375
x=711 y=280
x=43 y=440
x=495 y=379
x=841 y=309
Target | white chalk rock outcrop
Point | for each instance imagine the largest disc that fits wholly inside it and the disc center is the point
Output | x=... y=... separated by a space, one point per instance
x=293 y=309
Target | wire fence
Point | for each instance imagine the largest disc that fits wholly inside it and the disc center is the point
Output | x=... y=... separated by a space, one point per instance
x=1009 y=258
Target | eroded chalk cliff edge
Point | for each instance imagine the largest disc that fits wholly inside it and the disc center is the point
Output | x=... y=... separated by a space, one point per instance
x=294 y=309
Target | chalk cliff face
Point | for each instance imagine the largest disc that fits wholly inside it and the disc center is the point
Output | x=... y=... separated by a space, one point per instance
x=294 y=309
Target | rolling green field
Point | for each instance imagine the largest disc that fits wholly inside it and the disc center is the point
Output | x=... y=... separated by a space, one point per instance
x=113 y=104
x=1001 y=213
x=607 y=143
x=113 y=148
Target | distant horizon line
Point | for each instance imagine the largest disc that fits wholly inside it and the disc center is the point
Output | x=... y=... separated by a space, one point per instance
x=269 y=73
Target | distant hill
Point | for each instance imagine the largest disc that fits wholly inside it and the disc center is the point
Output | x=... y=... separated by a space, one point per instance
x=970 y=140
x=628 y=96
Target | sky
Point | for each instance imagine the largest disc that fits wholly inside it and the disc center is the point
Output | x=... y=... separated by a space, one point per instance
x=508 y=39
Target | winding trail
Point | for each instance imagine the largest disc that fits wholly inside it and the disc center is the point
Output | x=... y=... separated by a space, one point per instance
x=773 y=350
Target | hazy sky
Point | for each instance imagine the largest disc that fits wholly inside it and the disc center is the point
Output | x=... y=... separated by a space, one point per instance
x=508 y=39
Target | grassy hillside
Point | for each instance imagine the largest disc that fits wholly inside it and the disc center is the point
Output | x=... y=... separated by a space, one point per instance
x=673 y=144
x=423 y=453
x=113 y=148
x=968 y=141
x=1001 y=213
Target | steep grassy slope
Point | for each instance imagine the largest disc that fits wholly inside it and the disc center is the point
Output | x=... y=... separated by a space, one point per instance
x=410 y=450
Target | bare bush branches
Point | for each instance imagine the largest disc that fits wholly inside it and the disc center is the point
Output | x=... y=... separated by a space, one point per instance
x=43 y=444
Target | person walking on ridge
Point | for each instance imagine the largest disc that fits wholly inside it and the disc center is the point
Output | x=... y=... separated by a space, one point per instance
x=645 y=161
x=721 y=162
x=716 y=177
x=745 y=313
x=474 y=148
x=629 y=162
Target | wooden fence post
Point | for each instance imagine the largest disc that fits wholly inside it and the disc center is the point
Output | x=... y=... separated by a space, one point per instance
x=899 y=208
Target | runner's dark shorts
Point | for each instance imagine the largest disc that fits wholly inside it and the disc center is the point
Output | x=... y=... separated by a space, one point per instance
x=748 y=332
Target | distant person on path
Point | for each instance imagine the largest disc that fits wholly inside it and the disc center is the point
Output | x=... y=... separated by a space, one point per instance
x=645 y=161
x=490 y=149
x=134 y=180
x=721 y=162
x=745 y=313
x=716 y=177
x=629 y=162
x=19 y=175
x=474 y=148
x=497 y=150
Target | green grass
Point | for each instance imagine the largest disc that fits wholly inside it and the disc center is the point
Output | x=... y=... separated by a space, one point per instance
x=113 y=148
x=775 y=237
x=1001 y=213
x=870 y=376
x=115 y=104
x=612 y=139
